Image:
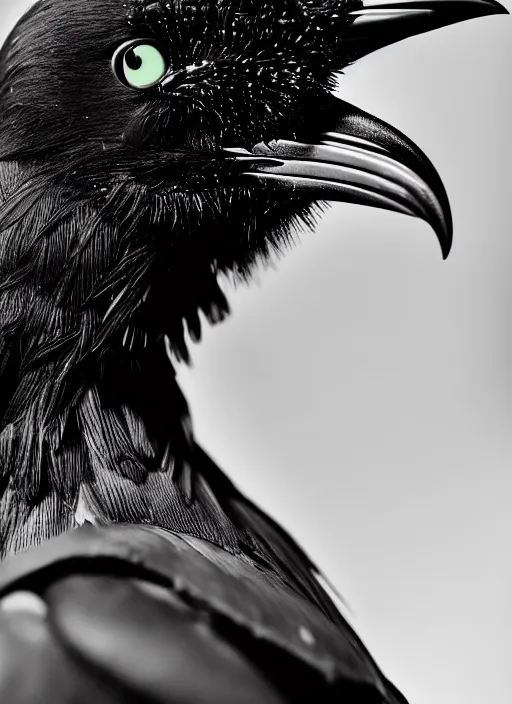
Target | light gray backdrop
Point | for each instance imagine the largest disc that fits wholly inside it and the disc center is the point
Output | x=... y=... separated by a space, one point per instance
x=362 y=391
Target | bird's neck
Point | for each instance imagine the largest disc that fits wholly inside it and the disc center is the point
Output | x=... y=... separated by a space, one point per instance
x=93 y=424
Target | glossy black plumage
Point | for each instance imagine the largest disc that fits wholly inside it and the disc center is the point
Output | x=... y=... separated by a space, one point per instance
x=120 y=210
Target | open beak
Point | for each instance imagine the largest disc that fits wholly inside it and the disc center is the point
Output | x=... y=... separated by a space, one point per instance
x=346 y=154
x=356 y=158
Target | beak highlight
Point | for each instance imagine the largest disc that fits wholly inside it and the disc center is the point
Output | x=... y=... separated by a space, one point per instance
x=379 y=23
x=356 y=158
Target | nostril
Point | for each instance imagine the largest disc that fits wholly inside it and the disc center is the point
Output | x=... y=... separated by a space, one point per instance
x=175 y=79
x=178 y=78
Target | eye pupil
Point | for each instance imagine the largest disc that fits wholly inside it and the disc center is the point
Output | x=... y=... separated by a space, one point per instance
x=133 y=61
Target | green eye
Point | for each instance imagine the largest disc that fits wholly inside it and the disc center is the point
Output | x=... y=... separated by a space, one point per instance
x=139 y=64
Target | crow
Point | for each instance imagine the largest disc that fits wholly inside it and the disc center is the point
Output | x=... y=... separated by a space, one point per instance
x=149 y=149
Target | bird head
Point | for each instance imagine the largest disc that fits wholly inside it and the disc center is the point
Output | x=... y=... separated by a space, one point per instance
x=192 y=76
x=213 y=121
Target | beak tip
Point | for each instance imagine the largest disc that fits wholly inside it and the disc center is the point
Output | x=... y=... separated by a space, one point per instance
x=446 y=241
x=483 y=8
x=497 y=8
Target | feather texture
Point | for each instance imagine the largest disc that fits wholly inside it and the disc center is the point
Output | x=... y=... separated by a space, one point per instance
x=120 y=213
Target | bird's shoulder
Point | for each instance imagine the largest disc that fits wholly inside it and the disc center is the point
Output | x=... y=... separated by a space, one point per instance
x=161 y=616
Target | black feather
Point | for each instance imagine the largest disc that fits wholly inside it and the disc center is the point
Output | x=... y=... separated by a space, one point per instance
x=118 y=217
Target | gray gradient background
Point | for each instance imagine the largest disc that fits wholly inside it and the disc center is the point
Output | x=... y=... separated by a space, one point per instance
x=362 y=390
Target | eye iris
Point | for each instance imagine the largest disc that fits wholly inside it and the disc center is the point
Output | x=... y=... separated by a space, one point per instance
x=143 y=66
